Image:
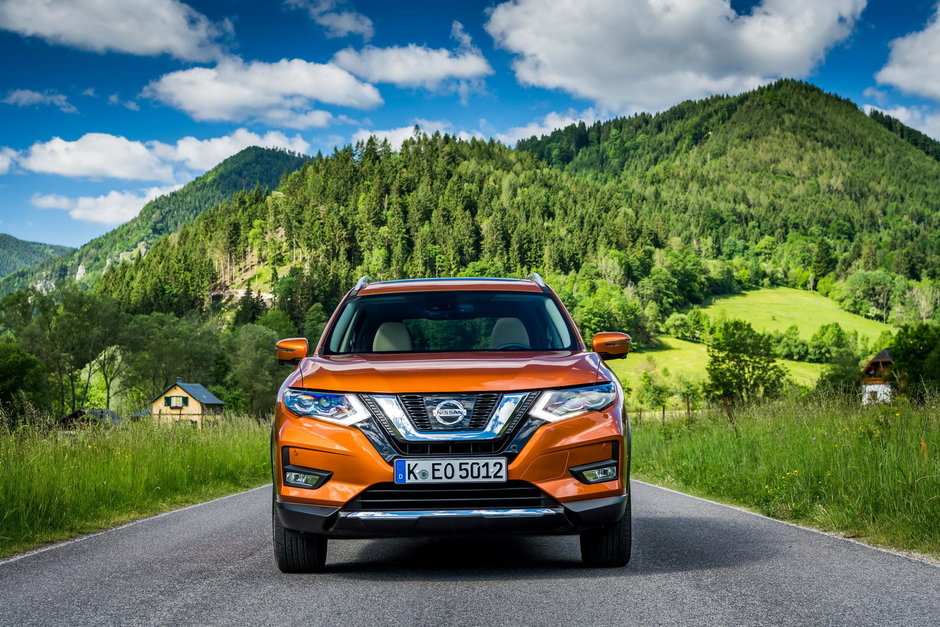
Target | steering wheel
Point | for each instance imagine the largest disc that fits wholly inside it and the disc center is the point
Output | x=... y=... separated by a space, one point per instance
x=510 y=345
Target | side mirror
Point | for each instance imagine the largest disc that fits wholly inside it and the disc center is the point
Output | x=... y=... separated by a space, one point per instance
x=611 y=344
x=289 y=352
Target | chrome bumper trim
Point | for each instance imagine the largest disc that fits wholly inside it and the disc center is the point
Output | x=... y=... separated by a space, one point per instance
x=443 y=513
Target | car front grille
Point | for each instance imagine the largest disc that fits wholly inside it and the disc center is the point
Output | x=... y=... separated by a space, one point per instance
x=392 y=497
x=420 y=406
x=455 y=447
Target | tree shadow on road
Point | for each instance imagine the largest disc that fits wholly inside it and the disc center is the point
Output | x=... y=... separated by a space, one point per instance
x=660 y=545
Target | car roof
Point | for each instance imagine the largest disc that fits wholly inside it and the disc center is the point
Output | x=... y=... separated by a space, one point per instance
x=483 y=284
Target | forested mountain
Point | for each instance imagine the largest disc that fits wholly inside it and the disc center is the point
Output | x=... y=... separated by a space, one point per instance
x=785 y=161
x=252 y=167
x=634 y=218
x=915 y=137
x=16 y=253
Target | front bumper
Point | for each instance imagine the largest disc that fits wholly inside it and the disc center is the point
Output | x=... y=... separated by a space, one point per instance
x=564 y=518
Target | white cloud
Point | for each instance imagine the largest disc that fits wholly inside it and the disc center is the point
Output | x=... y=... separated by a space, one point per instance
x=630 y=55
x=7 y=157
x=546 y=124
x=337 y=23
x=274 y=93
x=28 y=98
x=142 y=27
x=202 y=154
x=416 y=66
x=96 y=155
x=115 y=99
x=111 y=209
x=914 y=64
x=923 y=119
x=99 y=155
x=396 y=136
x=876 y=94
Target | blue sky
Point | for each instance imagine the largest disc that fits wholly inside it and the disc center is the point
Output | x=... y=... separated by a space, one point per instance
x=107 y=103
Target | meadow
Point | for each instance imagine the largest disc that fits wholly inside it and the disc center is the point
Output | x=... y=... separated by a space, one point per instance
x=866 y=472
x=689 y=359
x=54 y=485
x=776 y=309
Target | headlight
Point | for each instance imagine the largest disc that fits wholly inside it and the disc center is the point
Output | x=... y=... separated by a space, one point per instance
x=556 y=405
x=344 y=409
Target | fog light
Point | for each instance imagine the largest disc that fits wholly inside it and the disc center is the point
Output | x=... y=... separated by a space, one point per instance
x=309 y=479
x=597 y=472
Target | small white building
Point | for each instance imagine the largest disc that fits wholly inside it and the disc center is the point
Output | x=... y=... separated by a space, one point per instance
x=875 y=386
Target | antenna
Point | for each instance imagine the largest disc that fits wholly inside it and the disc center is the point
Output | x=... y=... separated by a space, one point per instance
x=536 y=278
x=361 y=283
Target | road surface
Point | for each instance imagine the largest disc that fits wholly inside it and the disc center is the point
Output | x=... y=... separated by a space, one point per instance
x=695 y=562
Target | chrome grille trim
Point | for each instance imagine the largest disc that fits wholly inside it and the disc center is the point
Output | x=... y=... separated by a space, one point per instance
x=402 y=427
x=480 y=404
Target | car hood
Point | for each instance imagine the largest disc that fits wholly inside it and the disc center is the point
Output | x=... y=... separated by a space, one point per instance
x=447 y=372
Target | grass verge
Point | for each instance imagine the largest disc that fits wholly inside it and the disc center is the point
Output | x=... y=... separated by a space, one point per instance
x=56 y=485
x=868 y=472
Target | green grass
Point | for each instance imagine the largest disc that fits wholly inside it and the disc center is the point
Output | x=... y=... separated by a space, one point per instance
x=688 y=359
x=776 y=309
x=56 y=485
x=872 y=472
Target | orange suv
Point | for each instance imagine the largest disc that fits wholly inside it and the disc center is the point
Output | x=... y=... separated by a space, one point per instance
x=450 y=406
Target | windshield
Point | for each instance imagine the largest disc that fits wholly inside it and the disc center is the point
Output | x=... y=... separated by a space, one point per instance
x=422 y=322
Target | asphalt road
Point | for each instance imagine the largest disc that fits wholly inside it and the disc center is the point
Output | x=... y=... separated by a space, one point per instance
x=695 y=562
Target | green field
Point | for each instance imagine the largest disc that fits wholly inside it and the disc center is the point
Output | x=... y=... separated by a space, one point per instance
x=768 y=310
x=776 y=309
x=688 y=359
x=55 y=485
x=870 y=472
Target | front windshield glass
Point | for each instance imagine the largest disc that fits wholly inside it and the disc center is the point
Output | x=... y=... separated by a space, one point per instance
x=422 y=322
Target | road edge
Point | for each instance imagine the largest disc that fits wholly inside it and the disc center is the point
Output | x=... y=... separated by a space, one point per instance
x=922 y=558
x=910 y=555
x=88 y=536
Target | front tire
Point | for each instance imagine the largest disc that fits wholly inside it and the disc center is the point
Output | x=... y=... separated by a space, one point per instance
x=610 y=546
x=296 y=552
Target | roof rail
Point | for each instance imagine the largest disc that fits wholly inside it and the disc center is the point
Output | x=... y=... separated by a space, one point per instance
x=361 y=283
x=537 y=279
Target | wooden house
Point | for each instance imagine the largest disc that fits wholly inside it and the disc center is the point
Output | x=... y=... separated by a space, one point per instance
x=875 y=379
x=189 y=402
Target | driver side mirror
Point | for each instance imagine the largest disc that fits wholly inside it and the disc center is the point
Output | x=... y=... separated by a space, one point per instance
x=611 y=344
x=289 y=352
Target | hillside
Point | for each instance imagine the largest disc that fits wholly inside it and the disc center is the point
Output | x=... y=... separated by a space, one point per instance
x=676 y=359
x=16 y=253
x=774 y=310
x=252 y=167
x=783 y=186
x=768 y=310
x=785 y=161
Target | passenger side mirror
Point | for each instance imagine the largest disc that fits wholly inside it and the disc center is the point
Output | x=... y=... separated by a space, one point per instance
x=289 y=352
x=611 y=344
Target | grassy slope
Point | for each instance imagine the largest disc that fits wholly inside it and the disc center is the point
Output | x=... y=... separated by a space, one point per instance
x=688 y=359
x=771 y=309
x=775 y=309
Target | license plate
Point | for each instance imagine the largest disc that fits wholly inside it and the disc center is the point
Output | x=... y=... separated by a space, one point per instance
x=475 y=470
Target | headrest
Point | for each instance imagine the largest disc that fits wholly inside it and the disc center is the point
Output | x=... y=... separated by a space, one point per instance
x=392 y=336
